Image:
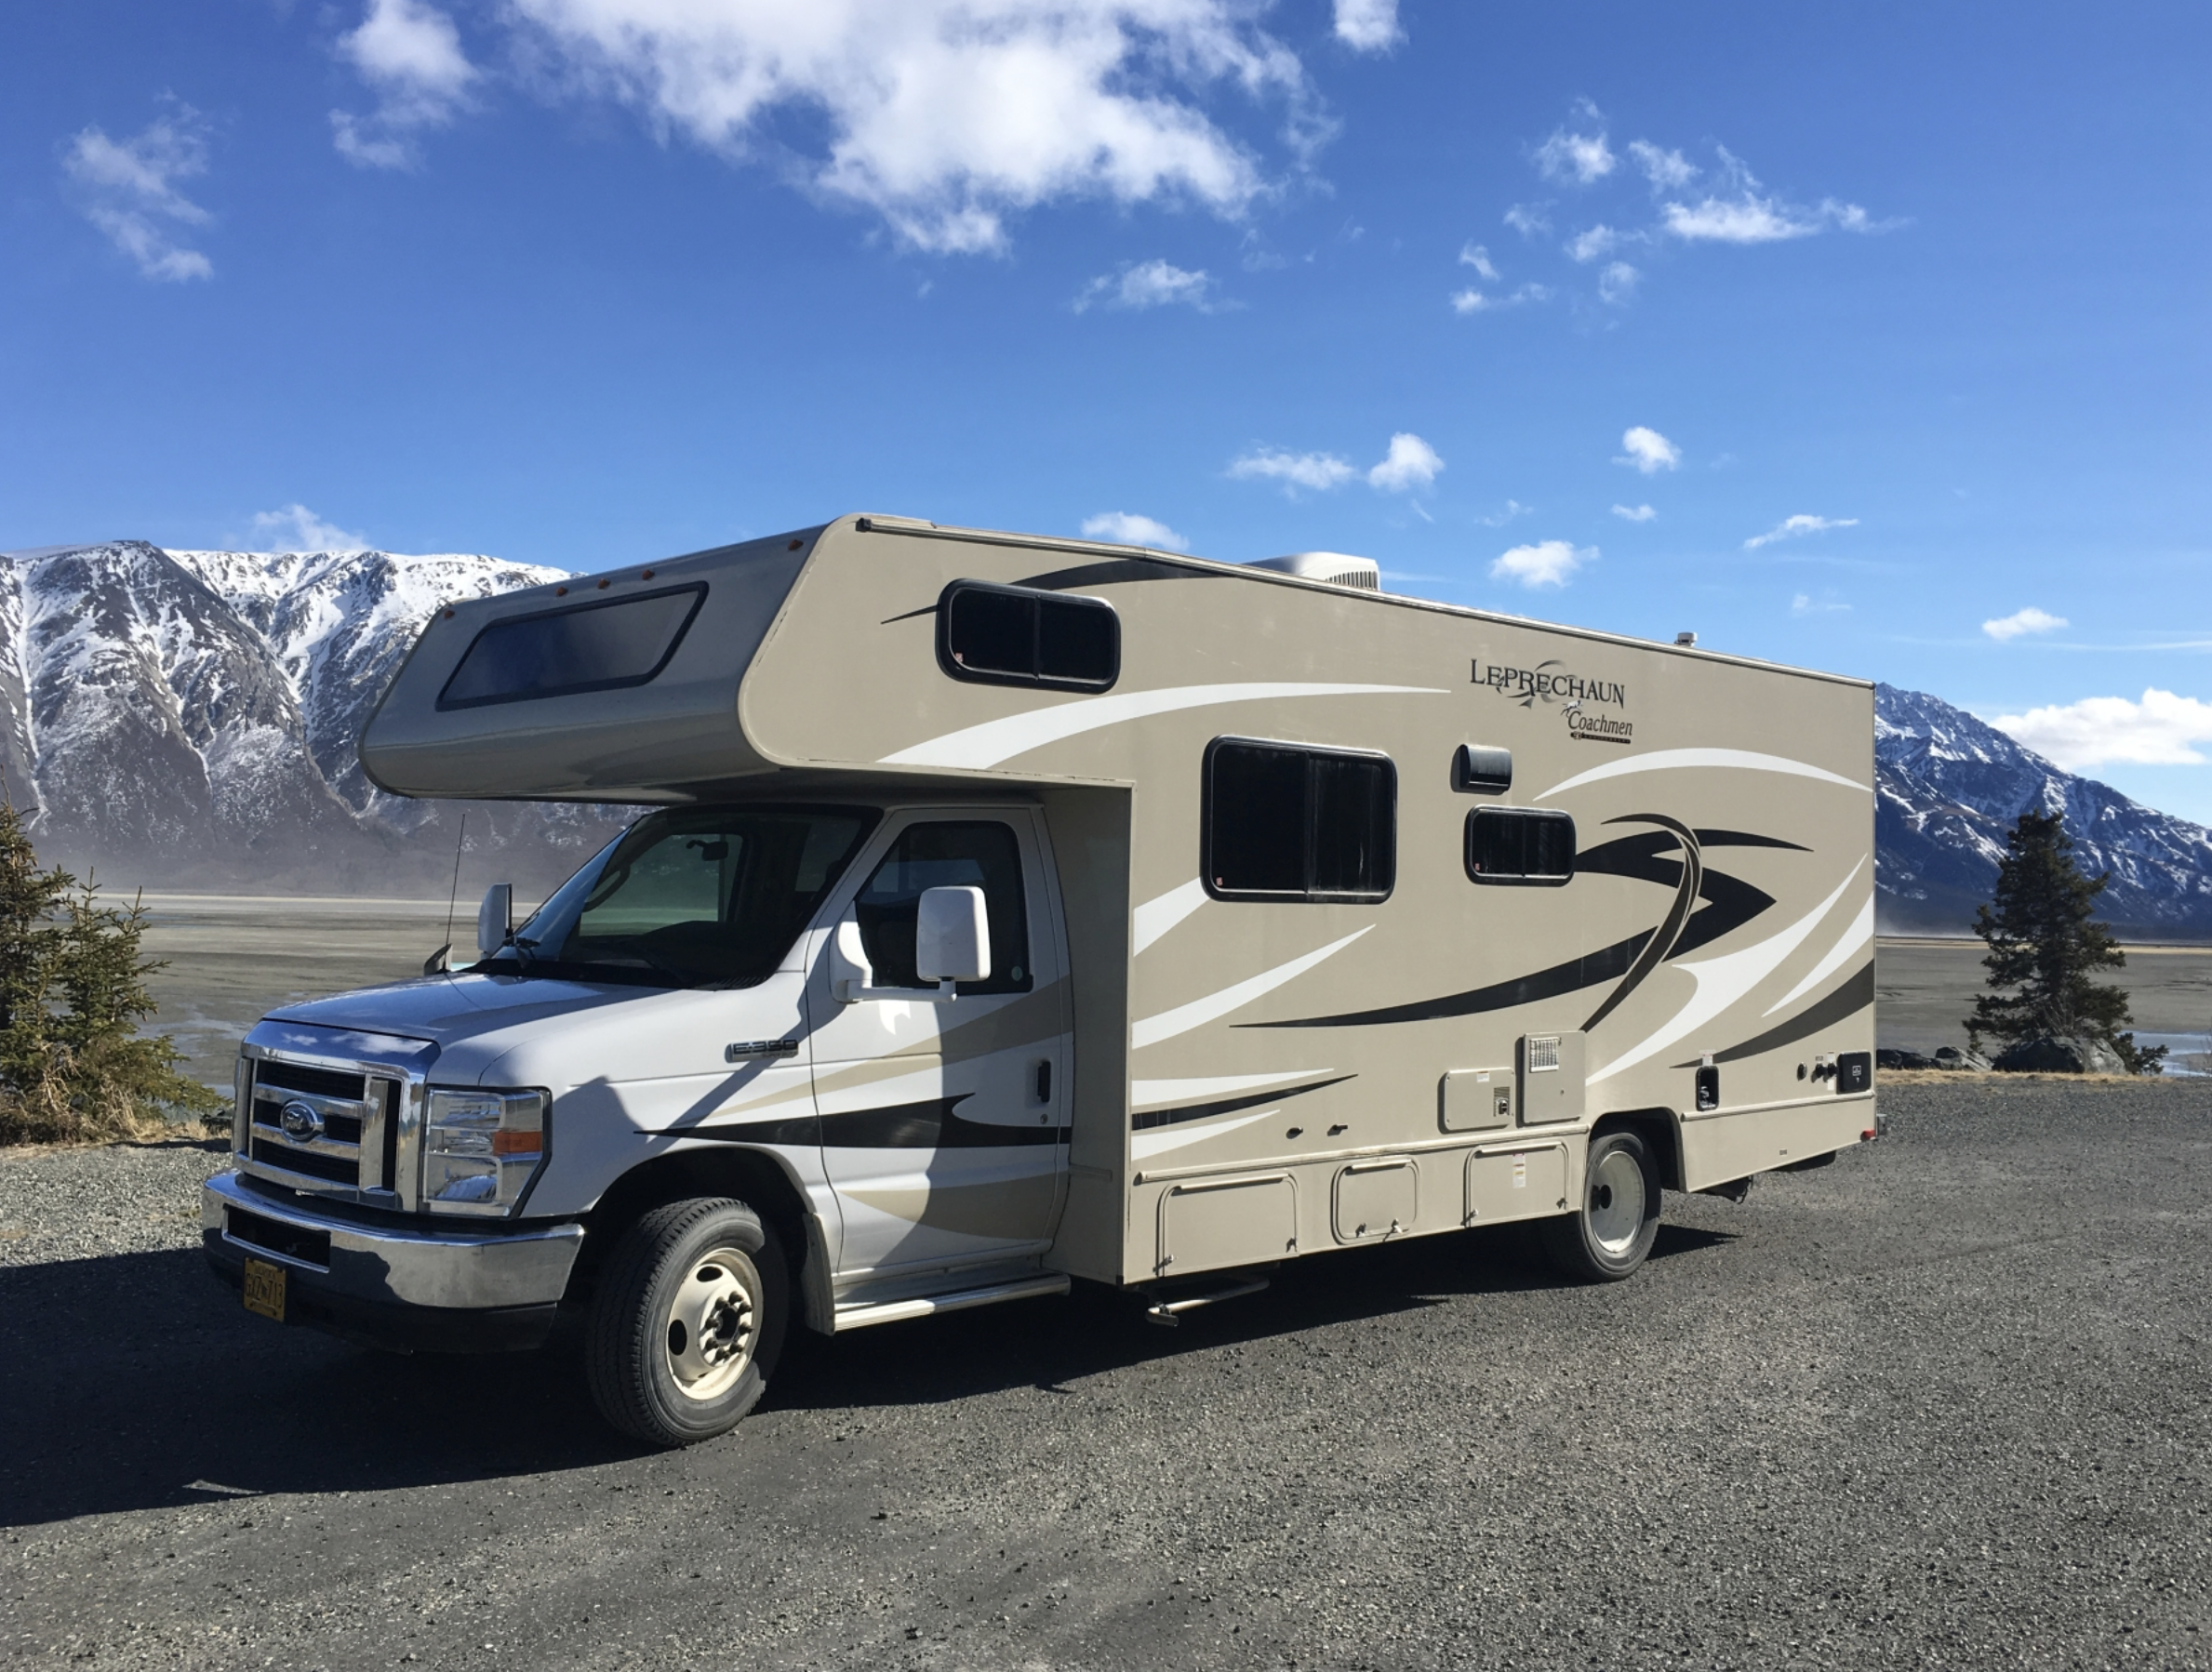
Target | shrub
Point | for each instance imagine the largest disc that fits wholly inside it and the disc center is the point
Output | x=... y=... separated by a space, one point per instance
x=73 y=1066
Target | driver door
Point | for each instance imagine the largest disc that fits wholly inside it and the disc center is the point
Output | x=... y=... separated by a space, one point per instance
x=945 y=1125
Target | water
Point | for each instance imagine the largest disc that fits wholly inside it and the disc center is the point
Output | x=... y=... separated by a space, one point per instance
x=2186 y=1053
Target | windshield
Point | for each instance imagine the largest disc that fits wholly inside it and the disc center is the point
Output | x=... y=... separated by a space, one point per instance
x=700 y=896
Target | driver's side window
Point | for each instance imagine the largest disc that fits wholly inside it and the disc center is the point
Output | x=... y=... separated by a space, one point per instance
x=947 y=853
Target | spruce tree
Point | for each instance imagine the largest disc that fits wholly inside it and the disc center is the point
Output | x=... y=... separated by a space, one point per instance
x=2044 y=942
x=73 y=991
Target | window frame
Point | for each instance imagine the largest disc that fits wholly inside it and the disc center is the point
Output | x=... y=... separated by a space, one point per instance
x=697 y=589
x=1311 y=752
x=1038 y=598
x=1524 y=879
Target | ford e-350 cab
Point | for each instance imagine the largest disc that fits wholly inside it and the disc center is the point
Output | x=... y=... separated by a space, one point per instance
x=1016 y=911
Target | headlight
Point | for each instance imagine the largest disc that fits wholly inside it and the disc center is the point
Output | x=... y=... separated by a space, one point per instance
x=480 y=1149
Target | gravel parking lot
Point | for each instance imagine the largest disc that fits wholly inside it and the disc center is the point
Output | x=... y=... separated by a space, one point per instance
x=1945 y=1402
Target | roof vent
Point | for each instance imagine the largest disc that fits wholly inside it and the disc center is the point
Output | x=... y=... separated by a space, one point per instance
x=1335 y=567
x=1688 y=640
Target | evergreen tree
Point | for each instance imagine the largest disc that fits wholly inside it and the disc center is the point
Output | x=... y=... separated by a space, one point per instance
x=2044 y=942
x=73 y=991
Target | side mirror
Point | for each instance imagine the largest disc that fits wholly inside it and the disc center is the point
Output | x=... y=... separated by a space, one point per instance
x=495 y=919
x=952 y=935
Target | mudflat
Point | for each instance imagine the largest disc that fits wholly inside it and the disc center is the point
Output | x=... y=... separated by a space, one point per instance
x=1923 y=989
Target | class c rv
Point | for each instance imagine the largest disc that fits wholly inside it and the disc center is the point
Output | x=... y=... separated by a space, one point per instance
x=1011 y=911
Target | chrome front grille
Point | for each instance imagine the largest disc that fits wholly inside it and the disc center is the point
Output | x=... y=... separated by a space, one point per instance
x=343 y=1128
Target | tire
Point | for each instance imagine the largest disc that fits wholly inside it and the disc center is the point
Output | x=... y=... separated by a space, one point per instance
x=687 y=1322
x=1613 y=1233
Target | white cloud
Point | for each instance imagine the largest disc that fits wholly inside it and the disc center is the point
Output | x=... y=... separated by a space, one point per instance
x=131 y=190
x=1790 y=528
x=1476 y=257
x=1667 y=170
x=1648 y=451
x=1411 y=463
x=945 y=116
x=411 y=53
x=1618 y=282
x=1807 y=605
x=1740 y=213
x=296 y=528
x=2162 y=730
x=1590 y=246
x=1514 y=508
x=1634 y=513
x=1579 y=159
x=1294 y=471
x=2029 y=620
x=1126 y=528
x=1475 y=302
x=1529 y=219
x=1153 y=283
x=1367 y=25
x=1546 y=563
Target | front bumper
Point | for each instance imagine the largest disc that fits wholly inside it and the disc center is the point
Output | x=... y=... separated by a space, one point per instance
x=409 y=1287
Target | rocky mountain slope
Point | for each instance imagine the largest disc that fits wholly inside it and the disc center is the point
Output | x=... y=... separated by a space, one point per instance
x=189 y=718
x=1949 y=788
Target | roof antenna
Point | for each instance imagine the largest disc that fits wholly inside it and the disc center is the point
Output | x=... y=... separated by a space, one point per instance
x=441 y=961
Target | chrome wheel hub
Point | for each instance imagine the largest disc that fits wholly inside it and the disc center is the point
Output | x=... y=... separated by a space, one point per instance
x=1616 y=1198
x=713 y=1323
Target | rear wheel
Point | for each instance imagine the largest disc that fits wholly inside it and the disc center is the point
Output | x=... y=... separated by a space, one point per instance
x=687 y=1322
x=1615 y=1231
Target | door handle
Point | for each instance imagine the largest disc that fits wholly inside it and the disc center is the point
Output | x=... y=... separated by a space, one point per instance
x=1045 y=1080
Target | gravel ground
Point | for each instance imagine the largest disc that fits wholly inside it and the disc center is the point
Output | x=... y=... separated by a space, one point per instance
x=1943 y=1402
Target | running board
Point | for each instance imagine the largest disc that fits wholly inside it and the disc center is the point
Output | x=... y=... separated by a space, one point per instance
x=924 y=1306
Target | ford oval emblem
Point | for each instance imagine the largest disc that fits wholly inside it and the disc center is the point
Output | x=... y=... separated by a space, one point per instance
x=301 y=1123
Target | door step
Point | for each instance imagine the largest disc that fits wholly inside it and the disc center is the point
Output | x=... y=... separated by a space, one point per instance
x=958 y=1300
x=1169 y=1313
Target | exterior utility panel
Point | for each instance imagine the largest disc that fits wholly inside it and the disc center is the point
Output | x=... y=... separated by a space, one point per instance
x=1317 y=916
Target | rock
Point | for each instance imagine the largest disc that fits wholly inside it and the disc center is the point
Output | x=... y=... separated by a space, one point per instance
x=1950 y=1056
x=2069 y=1055
x=1889 y=1056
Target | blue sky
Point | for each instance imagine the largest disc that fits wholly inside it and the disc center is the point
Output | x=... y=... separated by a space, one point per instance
x=1869 y=337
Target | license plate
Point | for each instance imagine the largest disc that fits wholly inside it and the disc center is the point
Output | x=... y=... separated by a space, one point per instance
x=266 y=1288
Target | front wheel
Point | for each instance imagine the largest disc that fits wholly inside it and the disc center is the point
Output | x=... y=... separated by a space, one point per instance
x=687 y=1322
x=1618 y=1223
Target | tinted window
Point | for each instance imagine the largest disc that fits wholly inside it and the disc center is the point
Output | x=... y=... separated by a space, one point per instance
x=1517 y=845
x=596 y=646
x=947 y=855
x=1014 y=635
x=1284 y=822
x=698 y=897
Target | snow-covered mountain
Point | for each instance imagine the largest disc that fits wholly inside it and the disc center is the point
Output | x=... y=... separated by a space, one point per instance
x=1949 y=786
x=190 y=717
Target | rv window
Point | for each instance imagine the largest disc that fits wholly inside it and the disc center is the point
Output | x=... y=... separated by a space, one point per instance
x=596 y=646
x=1283 y=822
x=947 y=853
x=1017 y=635
x=1520 y=844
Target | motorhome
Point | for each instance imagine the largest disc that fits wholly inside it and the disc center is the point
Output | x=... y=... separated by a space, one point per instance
x=1004 y=912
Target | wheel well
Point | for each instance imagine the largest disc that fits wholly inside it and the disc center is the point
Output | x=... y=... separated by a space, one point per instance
x=749 y=1175
x=1656 y=1127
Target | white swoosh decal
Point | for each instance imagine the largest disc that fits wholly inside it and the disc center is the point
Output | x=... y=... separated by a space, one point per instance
x=996 y=741
x=1154 y=918
x=1723 y=980
x=1856 y=936
x=1667 y=759
x=1166 y=1094
x=1143 y=1146
x=1199 y=1012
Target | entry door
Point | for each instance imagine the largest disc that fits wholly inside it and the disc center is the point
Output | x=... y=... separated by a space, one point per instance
x=945 y=1125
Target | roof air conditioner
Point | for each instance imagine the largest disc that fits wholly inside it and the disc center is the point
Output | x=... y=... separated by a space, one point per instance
x=1335 y=567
